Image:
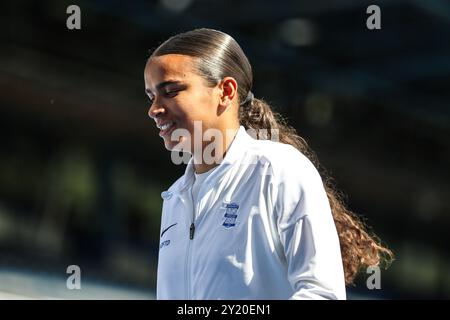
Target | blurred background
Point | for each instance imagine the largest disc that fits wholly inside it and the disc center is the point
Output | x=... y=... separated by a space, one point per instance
x=82 y=167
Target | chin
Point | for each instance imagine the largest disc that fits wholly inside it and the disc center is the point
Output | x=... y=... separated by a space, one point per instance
x=180 y=145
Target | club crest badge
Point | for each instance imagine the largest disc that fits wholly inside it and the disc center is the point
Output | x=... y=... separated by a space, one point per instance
x=230 y=215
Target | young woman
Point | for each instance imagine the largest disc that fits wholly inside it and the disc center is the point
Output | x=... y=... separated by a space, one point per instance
x=251 y=218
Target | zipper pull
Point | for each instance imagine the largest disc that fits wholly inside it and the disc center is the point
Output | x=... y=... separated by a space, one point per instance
x=191 y=231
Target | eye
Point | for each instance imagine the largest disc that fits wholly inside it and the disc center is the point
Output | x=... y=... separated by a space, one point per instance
x=171 y=94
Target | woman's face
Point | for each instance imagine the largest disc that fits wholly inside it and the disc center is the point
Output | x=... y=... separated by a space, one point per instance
x=178 y=97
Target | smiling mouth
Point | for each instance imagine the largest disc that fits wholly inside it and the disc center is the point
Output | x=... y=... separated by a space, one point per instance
x=166 y=128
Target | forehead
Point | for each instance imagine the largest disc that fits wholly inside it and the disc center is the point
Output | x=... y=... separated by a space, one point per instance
x=170 y=66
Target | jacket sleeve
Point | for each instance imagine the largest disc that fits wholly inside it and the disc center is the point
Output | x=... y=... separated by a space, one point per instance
x=307 y=232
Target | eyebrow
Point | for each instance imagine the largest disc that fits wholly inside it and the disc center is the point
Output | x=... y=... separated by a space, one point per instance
x=162 y=85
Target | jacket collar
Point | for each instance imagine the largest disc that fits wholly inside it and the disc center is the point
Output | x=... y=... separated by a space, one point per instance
x=235 y=151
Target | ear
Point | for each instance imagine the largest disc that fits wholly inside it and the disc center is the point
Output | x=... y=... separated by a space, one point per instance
x=228 y=92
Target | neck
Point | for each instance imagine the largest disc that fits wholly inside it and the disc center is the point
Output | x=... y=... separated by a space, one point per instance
x=202 y=161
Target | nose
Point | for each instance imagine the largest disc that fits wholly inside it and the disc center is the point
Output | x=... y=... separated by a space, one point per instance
x=156 y=110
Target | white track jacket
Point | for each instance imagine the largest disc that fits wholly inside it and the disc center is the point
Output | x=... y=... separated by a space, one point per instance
x=262 y=229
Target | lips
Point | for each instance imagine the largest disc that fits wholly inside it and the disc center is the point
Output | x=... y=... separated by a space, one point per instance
x=166 y=128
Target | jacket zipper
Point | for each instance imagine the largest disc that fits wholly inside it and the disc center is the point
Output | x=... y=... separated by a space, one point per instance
x=188 y=260
x=191 y=237
x=192 y=231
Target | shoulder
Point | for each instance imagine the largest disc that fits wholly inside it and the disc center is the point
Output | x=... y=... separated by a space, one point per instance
x=284 y=160
x=295 y=188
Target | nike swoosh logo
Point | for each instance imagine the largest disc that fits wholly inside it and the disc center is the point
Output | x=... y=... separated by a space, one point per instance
x=164 y=231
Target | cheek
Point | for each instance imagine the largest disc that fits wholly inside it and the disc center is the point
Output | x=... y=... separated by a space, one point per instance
x=205 y=108
x=194 y=107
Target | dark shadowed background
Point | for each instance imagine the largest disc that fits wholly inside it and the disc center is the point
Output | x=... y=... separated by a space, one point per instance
x=82 y=166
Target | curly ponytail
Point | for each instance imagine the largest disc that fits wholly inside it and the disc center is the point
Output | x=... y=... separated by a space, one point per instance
x=359 y=249
x=218 y=55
